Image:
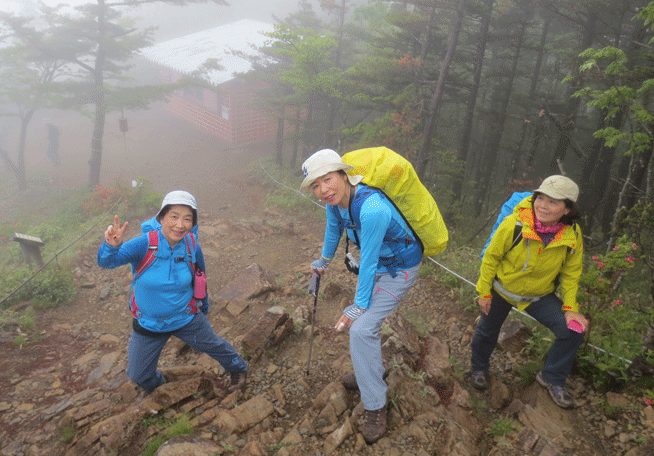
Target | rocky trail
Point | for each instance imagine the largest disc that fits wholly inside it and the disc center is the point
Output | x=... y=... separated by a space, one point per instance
x=65 y=393
x=68 y=394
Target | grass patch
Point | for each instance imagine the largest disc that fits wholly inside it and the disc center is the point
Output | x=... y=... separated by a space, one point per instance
x=423 y=328
x=68 y=433
x=172 y=429
x=273 y=449
x=501 y=427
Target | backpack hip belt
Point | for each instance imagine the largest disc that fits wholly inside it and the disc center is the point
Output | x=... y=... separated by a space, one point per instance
x=517 y=298
x=191 y=308
x=405 y=259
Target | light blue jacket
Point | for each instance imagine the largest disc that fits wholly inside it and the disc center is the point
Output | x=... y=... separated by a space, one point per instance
x=377 y=216
x=164 y=290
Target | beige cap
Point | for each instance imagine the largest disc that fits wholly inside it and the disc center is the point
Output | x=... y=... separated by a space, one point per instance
x=559 y=187
x=324 y=162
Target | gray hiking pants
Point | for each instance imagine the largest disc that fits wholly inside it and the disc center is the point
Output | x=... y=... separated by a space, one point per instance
x=365 y=344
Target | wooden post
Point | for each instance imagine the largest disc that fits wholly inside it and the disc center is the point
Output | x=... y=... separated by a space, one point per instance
x=30 y=246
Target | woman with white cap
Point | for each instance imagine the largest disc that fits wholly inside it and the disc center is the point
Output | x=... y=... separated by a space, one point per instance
x=525 y=274
x=390 y=259
x=164 y=302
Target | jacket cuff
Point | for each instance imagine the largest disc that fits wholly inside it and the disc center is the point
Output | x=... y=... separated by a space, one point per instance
x=353 y=312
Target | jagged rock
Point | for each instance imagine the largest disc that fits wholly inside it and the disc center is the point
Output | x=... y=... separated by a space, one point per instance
x=293 y=437
x=499 y=395
x=513 y=335
x=189 y=445
x=437 y=361
x=249 y=284
x=254 y=449
x=244 y=416
x=332 y=392
x=403 y=342
x=644 y=449
x=106 y=363
x=237 y=306
x=537 y=418
x=337 y=437
x=526 y=439
x=104 y=293
x=269 y=330
x=616 y=400
x=109 y=339
x=331 y=290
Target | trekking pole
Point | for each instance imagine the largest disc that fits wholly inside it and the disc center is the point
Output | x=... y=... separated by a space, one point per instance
x=314 y=286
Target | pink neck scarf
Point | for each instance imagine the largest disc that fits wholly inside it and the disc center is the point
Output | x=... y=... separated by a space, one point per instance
x=540 y=228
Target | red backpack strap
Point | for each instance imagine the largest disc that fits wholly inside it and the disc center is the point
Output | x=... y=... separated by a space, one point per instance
x=188 y=248
x=153 y=245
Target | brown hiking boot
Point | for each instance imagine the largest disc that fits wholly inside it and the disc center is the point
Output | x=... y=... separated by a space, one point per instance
x=349 y=380
x=237 y=381
x=374 y=426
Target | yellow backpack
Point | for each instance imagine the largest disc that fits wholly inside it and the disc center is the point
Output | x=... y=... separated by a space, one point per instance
x=394 y=175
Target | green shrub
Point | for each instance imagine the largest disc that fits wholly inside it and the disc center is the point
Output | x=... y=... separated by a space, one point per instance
x=51 y=287
x=68 y=433
x=501 y=427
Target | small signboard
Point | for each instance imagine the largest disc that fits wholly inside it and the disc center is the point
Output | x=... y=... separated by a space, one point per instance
x=31 y=247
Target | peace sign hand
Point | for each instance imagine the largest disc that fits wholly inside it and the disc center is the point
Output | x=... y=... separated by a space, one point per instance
x=114 y=233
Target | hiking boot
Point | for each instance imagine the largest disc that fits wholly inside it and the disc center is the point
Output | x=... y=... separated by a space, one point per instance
x=374 y=426
x=349 y=380
x=479 y=380
x=559 y=395
x=237 y=381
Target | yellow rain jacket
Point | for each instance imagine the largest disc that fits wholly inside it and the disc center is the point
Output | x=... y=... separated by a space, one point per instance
x=529 y=269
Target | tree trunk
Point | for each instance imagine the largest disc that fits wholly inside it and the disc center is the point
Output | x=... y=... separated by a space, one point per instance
x=280 y=135
x=649 y=186
x=466 y=132
x=626 y=187
x=98 y=95
x=333 y=103
x=517 y=165
x=296 y=137
x=434 y=105
x=570 y=114
x=424 y=46
x=597 y=172
x=504 y=95
x=18 y=168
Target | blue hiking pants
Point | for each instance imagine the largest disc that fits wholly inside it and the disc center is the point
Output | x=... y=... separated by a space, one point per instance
x=144 y=351
x=547 y=311
x=365 y=344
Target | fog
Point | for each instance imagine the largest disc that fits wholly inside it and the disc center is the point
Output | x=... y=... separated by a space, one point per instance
x=121 y=152
x=174 y=21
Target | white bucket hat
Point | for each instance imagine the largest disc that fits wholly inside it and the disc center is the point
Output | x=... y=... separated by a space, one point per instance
x=179 y=197
x=324 y=162
x=559 y=187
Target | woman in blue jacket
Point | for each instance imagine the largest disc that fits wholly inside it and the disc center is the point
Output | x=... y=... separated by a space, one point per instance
x=163 y=303
x=390 y=259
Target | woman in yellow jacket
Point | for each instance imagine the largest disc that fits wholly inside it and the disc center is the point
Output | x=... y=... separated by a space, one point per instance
x=525 y=275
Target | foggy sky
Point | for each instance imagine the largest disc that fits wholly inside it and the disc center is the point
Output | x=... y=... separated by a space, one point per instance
x=175 y=21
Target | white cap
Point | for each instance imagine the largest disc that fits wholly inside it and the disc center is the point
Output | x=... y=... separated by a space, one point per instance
x=179 y=197
x=324 y=162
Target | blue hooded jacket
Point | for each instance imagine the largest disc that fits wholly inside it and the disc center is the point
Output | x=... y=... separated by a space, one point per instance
x=164 y=290
x=380 y=221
